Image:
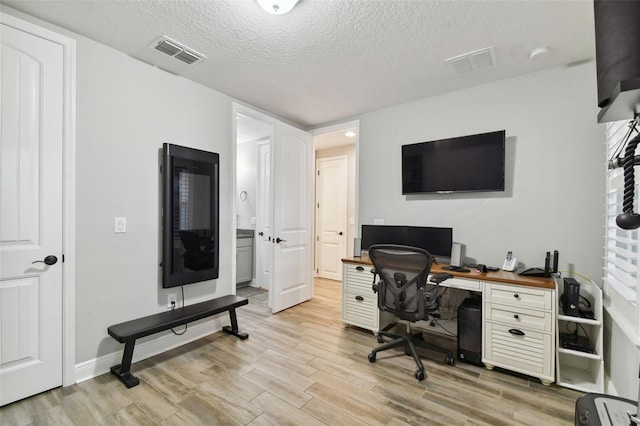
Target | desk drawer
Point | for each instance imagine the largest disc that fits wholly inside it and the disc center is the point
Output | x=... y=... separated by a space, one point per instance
x=361 y=310
x=530 y=319
x=530 y=353
x=518 y=297
x=358 y=279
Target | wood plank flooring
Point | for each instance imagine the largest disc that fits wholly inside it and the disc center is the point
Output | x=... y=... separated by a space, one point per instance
x=298 y=367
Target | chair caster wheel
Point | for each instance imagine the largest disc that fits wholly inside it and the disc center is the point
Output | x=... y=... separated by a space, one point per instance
x=419 y=375
x=372 y=357
x=450 y=360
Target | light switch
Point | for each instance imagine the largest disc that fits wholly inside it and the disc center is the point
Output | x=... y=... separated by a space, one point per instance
x=253 y=220
x=120 y=225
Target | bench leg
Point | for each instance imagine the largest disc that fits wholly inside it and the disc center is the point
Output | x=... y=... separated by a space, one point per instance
x=123 y=371
x=234 y=326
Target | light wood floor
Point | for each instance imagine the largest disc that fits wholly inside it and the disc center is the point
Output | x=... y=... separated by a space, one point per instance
x=298 y=367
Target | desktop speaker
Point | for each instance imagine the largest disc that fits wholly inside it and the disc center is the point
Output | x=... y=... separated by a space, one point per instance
x=356 y=247
x=456 y=254
x=470 y=330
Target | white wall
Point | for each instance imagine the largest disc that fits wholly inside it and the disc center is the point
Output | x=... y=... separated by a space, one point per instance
x=125 y=110
x=554 y=173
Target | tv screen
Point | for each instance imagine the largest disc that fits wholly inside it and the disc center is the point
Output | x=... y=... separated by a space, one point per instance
x=462 y=164
x=436 y=241
x=190 y=215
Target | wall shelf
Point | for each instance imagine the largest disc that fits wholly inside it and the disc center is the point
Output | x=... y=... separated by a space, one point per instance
x=583 y=371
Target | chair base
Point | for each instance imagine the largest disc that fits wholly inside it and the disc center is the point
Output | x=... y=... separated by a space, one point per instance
x=409 y=341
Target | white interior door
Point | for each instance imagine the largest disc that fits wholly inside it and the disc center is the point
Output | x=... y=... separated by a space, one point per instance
x=31 y=147
x=292 y=170
x=331 y=216
x=264 y=247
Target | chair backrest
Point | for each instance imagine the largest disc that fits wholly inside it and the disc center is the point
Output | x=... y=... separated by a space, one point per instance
x=401 y=287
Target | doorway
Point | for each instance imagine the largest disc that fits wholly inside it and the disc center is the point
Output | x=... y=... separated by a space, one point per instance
x=276 y=173
x=253 y=178
x=335 y=208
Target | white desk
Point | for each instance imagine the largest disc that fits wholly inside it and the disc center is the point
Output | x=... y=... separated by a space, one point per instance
x=511 y=304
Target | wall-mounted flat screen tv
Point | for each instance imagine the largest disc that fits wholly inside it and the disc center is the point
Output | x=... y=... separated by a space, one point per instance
x=461 y=164
x=190 y=219
x=436 y=241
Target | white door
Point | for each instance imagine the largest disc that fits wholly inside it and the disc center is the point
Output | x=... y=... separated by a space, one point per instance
x=31 y=147
x=331 y=216
x=292 y=236
x=264 y=247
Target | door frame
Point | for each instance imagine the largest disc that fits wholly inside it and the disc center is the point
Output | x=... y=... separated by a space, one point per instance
x=19 y=22
x=347 y=125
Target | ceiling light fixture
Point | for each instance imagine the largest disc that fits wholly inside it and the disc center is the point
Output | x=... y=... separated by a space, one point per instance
x=277 y=7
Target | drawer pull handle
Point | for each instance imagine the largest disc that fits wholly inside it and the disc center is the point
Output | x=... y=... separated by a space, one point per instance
x=516 y=316
x=517 y=296
x=359 y=298
x=516 y=332
x=359 y=268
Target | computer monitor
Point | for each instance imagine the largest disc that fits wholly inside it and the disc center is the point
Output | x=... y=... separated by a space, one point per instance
x=436 y=241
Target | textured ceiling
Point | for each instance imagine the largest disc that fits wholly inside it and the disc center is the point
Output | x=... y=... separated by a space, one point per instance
x=329 y=60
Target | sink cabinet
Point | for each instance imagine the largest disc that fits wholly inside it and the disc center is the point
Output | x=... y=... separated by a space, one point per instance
x=244 y=260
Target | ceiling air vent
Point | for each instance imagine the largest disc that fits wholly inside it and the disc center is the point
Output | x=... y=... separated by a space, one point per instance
x=472 y=61
x=178 y=51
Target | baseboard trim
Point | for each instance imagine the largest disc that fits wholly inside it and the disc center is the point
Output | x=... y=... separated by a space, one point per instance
x=147 y=348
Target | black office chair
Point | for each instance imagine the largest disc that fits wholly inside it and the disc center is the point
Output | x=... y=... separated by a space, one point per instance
x=403 y=290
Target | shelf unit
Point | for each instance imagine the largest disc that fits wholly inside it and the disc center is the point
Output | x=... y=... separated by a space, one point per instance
x=583 y=371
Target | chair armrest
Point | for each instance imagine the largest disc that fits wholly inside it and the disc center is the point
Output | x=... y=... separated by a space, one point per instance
x=438 y=278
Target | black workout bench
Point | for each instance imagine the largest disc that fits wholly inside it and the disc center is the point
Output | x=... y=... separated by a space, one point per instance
x=128 y=332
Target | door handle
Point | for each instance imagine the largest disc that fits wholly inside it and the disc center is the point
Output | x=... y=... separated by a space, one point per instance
x=261 y=233
x=280 y=240
x=49 y=260
x=340 y=233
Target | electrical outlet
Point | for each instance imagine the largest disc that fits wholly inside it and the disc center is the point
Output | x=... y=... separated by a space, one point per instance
x=378 y=221
x=172 y=300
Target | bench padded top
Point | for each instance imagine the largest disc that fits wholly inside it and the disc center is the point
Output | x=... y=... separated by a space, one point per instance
x=145 y=326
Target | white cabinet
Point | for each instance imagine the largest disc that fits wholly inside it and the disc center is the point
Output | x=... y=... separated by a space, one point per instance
x=582 y=370
x=519 y=329
x=359 y=302
x=244 y=260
